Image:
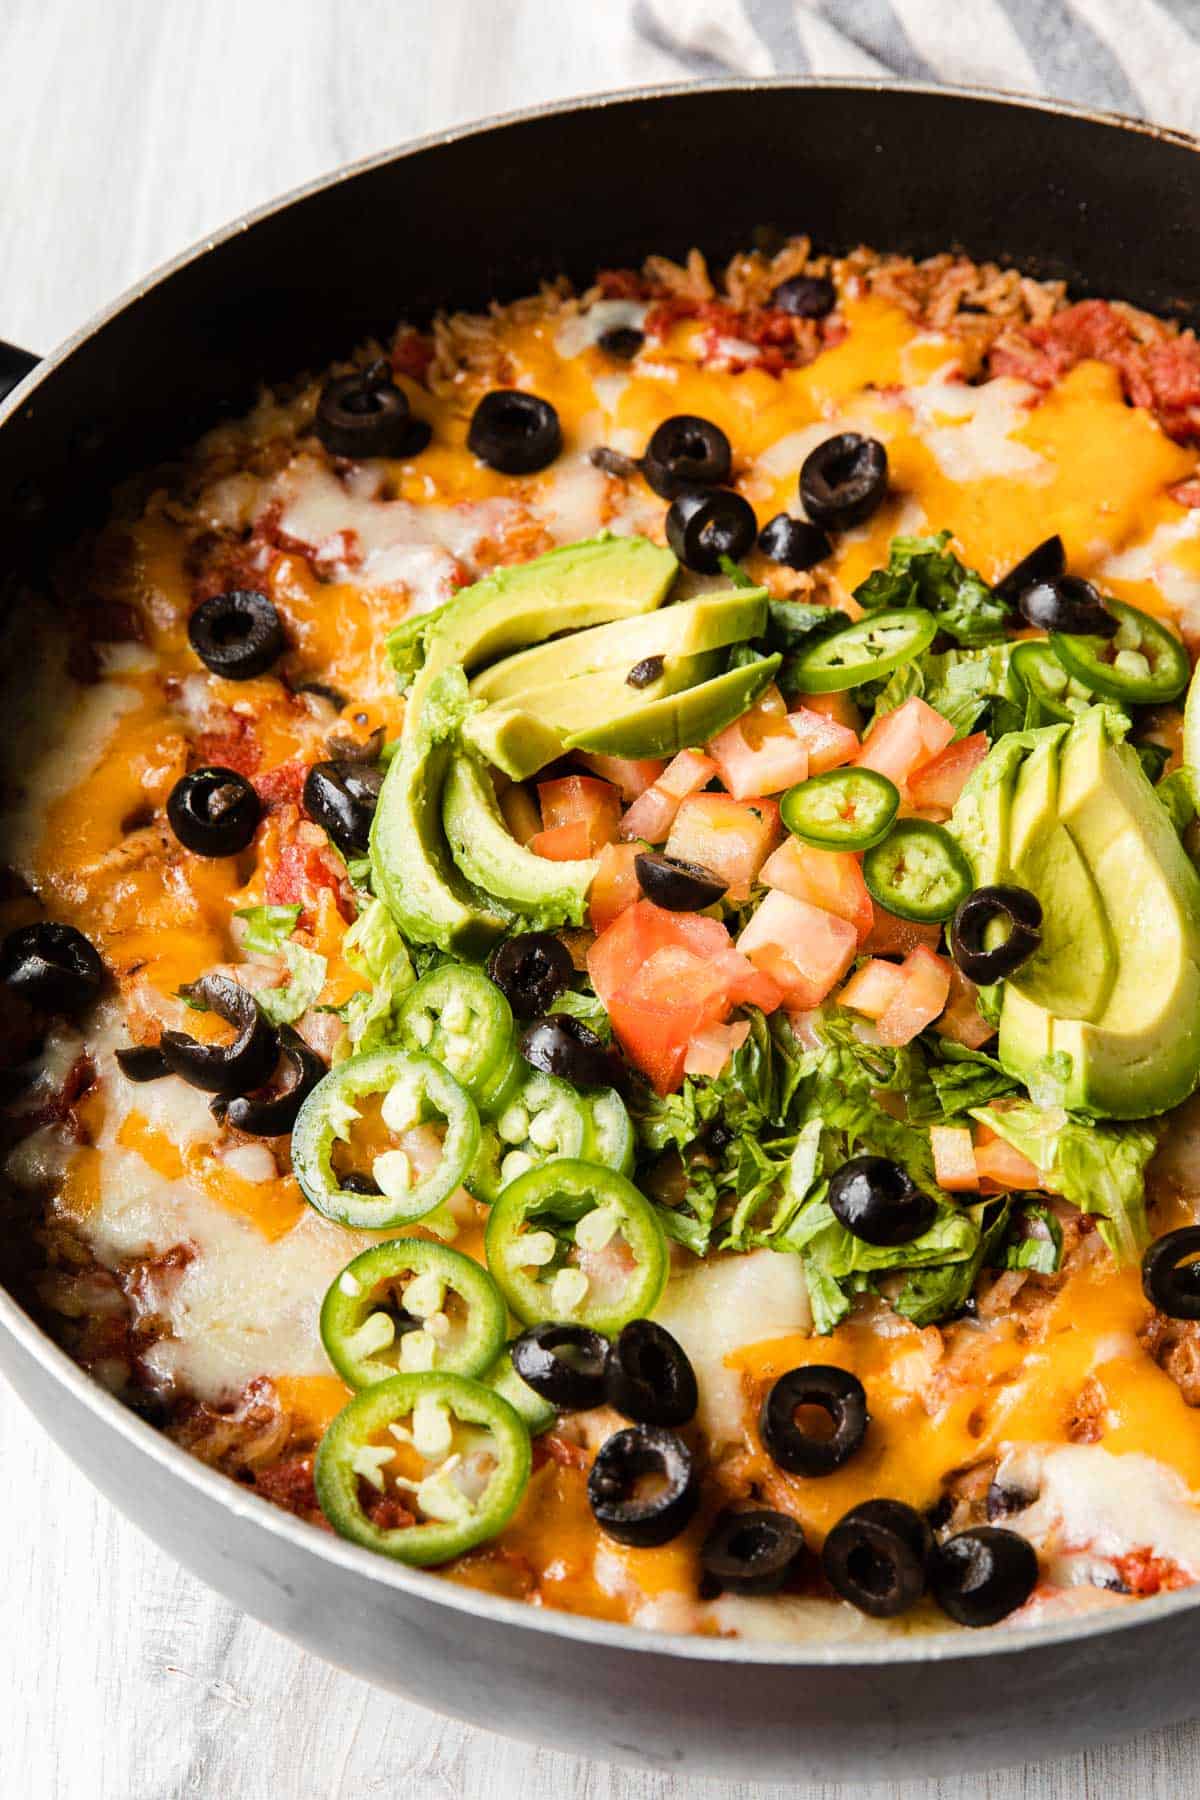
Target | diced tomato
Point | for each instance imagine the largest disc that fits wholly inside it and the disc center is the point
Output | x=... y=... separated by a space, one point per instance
x=838 y=707
x=1000 y=1165
x=941 y=781
x=953 y=1158
x=871 y=989
x=828 y=743
x=731 y=837
x=619 y=952
x=830 y=879
x=282 y=785
x=923 y=992
x=712 y=1047
x=563 y=843
x=804 y=949
x=892 y=936
x=520 y=813
x=296 y=873
x=905 y=740
x=615 y=887
x=234 y=746
x=962 y=1020
x=578 y=799
x=653 y=813
x=629 y=778
x=759 y=753
x=747 y=985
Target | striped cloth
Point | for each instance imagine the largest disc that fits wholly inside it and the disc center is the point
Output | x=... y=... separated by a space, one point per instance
x=1132 y=56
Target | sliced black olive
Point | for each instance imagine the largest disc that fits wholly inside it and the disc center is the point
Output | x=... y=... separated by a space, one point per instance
x=876 y=1557
x=236 y=1068
x=341 y=797
x=982 y=1575
x=271 y=1115
x=343 y=750
x=1068 y=604
x=968 y=932
x=648 y=1376
x=531 y=971
x=752 y=1552
x=643 y=673
x=837 y=1393
x=1170 y=1276
x=562 y=1045
x=879 y=1202
x=323 y=691
x=514 y=432
x=844 y=480
x=366 y=414
x=238 y=634
x=679 y=886
x=805 y=296
x=53 y=967
x=614 y=462
x=562 y=1363
x=793 y=542
x=623 y=342
x=620 y=1465
x=213 y=811
x=354 y=1183
x=686 y=452
x=1045 y=562
x=142 y=1062
x=1005 y=1497
x=705 y=524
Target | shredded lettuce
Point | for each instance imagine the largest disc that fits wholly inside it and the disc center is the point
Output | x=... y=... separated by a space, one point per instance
x=375 y=948
x=922 y=572
x=1035 y=1242
x=965 y=686
x=265 y=928
x=588 y=1007
x=1098 y=1167
x=283 y=1005
x=960 y=1079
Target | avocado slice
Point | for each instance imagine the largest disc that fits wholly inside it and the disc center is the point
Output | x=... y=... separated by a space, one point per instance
x=688 y=628
x=1073 y=969
x=679 y=720
x=589 y=583
x=1141 y=1055
x=982 y=817
x=411 y=866
x=544 y=892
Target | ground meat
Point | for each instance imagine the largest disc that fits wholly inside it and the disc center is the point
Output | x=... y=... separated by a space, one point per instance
x=1085 y=1421
x=240 y=1437
x=289 y=1484
x=1144 y=1573
x=1175 y=1346
x=552 y=1448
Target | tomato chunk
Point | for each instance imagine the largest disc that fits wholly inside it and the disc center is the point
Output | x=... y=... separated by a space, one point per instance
x=905 y=740
x=831 y=879
x=962 y=1020
x=712 y=1048
x=580 y=800
x=941 y=781
x=759 y=753
x=520 y=813
x=871 y=989
x=731 y=837
x=615 y=887
x=893 y=936
x=841 y=708
x=563 y=843
x=630 y=778
x=829 y=744
x=806 y=950
x=653 y=813
x=1002 y=1166
x=953 y=1158
x=923 y=992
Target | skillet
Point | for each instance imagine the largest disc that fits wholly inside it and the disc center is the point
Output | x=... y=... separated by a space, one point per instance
x=1113 y=206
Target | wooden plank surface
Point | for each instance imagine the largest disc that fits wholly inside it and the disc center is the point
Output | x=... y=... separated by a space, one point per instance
x=128 y=128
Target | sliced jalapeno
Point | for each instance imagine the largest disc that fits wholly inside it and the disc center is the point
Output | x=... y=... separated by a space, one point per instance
x=410 y=1305
x=844 y=809
x=918 y=872
x=864 y=651
x=461 y=1019
x=1057 y=696
x=453 y=1453
x=1143 y=664
x=413 y=1091
x=560 y=1241
x=539 y=1415
x=610 y=1138
x=545 y=1118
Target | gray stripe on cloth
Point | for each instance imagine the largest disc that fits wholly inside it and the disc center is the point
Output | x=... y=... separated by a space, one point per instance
x=876 y=27
x=655 y=32
x=1070 y=58
x=775 y=23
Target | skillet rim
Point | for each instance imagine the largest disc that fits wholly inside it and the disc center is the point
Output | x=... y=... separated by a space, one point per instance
x=926 y=1647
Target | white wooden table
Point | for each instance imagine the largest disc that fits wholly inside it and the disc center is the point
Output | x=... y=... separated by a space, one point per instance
x=127 y=129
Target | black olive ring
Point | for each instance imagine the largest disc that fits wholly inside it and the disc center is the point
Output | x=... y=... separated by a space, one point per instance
x=793 y=542
x=805 y=297
x=1068 y=604
x=563 y=1045
x=844 y=480
x=236 y=1068
x=839 y=1394
x=676 y=885
x=877 y=1557
x=53 y=967
x=968 y=931
x=237 y=634
x=620 y=1463
x=366 y=414
x=752 y=1552
x=514 y=432
x=531 y=971
x=574 y=1384
x=341 y=797
x=648 y=1376
x=1045 y=562
x=878 y=1201
x=1170 y=1280
x=213 y=811
x=142 y=1062
x=982 y=1575
x=273 y=1114
x=705 y=524
x=686 y=452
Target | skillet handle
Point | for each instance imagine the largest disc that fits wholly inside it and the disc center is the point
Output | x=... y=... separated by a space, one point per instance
x=14 y=366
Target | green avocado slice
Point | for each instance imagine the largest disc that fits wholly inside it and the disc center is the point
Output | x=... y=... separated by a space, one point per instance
x=411 y=866
x=547 y=893
x=579 y=585
x=679 y=721
x=688 y=628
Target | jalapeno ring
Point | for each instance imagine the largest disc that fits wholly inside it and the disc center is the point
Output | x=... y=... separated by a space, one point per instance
x=365 y=1316
x=842 y=809
x=863 y=651
x=1147 y=664
x=461 y=1019
x=918 y=872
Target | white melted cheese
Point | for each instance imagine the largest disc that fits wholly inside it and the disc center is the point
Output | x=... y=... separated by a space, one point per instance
x=1155 y=561
x=968 y=430
x=1092 y=1504
x=84 y=722
x=580 y=330
x=723 y=1305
